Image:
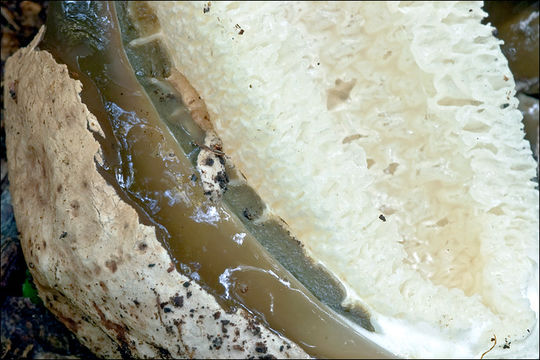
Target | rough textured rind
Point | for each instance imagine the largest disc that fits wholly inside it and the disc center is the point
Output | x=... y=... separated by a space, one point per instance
x=100 y=271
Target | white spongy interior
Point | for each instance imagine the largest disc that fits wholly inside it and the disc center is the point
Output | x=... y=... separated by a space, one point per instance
x=339 y=112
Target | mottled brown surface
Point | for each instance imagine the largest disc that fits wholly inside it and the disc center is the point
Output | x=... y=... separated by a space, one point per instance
x=93 y=272
x=28 y=330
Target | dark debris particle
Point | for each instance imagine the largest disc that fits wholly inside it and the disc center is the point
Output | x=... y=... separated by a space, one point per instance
x=222 y=179
x=177 y=301
x=63 y=235
x=12 y=86
x=186 y=284
x=281 y=348
x=224 y=323
x=247 y=214
x=163 y=304
x=136 y=302
x=209 y=161
x=167 y=310
x=165 y=354
x=206 y=8
x=217 y=315
x=255 y=330
x=239 y=28
x=260 y=347
x=193 y=177
x=382 y=217
x=151 y=265
x=217 y=342
x=188 y=294
x=238 y=347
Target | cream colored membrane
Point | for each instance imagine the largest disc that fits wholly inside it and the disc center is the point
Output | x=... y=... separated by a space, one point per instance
x=350 y=111
x=209 y=242
x=415 y=182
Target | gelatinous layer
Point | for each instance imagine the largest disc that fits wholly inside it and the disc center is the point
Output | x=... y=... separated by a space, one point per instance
x=150 y=147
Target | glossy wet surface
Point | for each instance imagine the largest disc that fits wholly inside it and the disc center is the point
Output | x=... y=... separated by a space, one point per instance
x=150 y=148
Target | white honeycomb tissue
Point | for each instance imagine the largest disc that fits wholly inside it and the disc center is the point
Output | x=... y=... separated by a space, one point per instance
x=338 y=113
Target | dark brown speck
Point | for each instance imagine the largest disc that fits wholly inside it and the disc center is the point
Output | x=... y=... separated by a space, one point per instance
x=177 y=301
x=111 y=264
x=261 y=347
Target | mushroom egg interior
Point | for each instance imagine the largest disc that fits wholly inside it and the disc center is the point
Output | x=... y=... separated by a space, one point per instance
x=150 y=145
x=369 y=175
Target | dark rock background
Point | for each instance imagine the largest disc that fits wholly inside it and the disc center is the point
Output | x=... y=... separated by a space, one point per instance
x=28 y=329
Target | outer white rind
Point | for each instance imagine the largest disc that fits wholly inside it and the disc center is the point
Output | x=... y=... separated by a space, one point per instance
x=340 y=112
x=100 y=271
